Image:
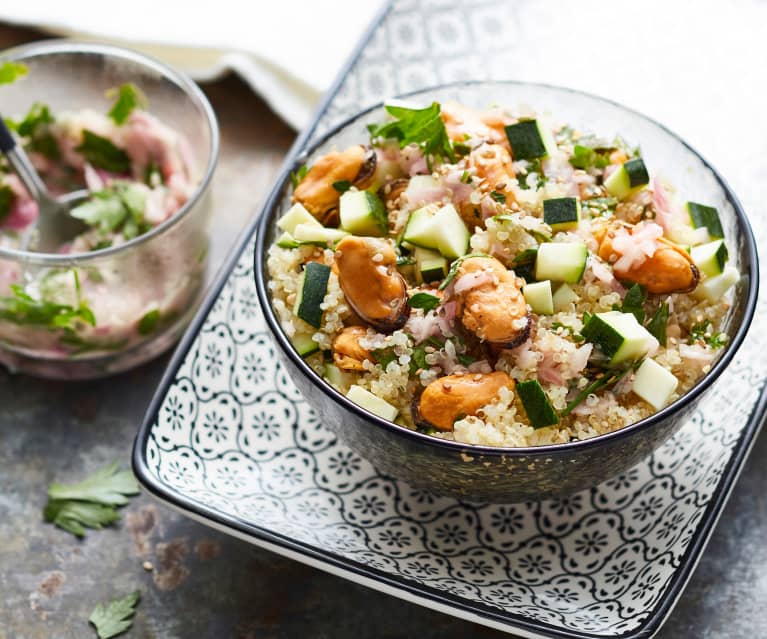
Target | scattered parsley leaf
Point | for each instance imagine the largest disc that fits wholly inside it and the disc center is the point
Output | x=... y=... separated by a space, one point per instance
x=576 y=337
x=465 y=177
x=454 y=269
x=534 y=167
x=585 y=157
x=425 y=301
x=116 y=617
x=634 y=302
x=75 y=516
x=109 y=486
x=658 y=323
x=384 y=356
x=297 y=176
x=120 y=205
x=465 y=360
x=423 y=127
x=35 y=128
x=103 y=154
x=701 y=332
x=129 y=96
x=498 y=197
x=22 y=308
x=342 y=186
x=148 y=322
x=604 y=380
x=418 y=360
x=6 y=199
x=12 y=71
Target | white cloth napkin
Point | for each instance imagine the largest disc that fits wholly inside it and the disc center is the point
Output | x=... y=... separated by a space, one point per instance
x=288 y=51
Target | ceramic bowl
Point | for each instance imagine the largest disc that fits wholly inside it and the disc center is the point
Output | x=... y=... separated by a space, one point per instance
x=479 y=473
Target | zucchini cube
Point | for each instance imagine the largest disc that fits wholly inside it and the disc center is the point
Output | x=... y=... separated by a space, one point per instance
x=702 y=215
x=629 y=176
x=562 y=213
x=529 y=139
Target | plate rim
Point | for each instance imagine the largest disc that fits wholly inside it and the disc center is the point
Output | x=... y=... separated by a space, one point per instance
x=371 y=577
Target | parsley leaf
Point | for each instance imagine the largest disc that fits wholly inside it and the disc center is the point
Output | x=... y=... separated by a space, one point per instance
x=585 y=157
x=423 y=127
x=454 y=269
x=6 y=199
x=297 y=176
x=12 y=71
x=384 y=356
x=658 y=323
x=22 y=308
x=604 y=380
x=534 y=166
x=120 y=205
x=108 y=486
x=425 y=301
x=576 y=337
x=418 y=360
x=90 y=503
x=700 y=332
x=498 y=197
x=634 y=302
x=129 y=96
x=75 y=516
x=103 y=154
x=116 y=617
x=342 y=186
x=148 y=322
x=35 y=128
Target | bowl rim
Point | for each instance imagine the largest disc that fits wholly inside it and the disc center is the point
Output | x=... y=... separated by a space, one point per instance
x=185 y=83
x=268 y=217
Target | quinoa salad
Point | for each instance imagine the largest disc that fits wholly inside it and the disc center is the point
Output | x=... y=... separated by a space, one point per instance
x=137 y=172
x=498 y=278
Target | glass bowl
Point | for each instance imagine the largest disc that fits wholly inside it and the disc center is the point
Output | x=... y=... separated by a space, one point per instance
x=142 y=292
x=498 y=474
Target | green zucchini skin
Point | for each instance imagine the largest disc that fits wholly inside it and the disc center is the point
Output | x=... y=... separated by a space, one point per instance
x=314 y=285
x=537 y=406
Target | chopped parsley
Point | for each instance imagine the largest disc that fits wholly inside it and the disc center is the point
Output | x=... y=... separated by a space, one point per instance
x=92 y=502
x=103 y=154
x=12 y=71
x=118 y=207
x=576 y=337
x=498 y=197
x=465 y=360
x=701 y=332
x=465 y=177
x=22 y=308
x=116 y=617
x=634 y=302
x=35 y=129
x=658 y=324
x=454 y=269
x=425 y=301
x=384 y=356
x=603 y=379
x=298 y=175
x=129 y=96
x=423 y=127
x=148 y=323
x=586 y=157
x=6 y=200
x=342 y=186
x=418 y=360
x=534 y=166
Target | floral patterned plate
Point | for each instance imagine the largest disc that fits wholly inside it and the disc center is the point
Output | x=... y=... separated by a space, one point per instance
x=229 y=441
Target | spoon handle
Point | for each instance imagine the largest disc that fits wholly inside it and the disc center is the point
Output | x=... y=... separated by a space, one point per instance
x=22 y=164
x=6 y=139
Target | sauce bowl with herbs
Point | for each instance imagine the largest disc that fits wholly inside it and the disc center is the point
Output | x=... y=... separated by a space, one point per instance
x=488 y=299
x=142 y=141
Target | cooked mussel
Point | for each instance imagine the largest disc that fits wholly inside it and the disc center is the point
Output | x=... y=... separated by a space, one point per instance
x=367 y=273
x=490 y=302
x=453 y=397
x=356 y=165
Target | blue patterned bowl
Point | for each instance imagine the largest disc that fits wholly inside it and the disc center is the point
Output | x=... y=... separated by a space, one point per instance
x=478 y=473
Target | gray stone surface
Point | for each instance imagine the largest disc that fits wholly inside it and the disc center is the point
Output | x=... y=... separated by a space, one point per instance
x=205 y=584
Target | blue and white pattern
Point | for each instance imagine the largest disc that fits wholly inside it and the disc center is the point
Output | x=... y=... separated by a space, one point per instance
x=234 y=435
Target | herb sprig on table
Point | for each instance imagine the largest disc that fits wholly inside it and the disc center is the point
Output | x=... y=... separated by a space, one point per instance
x=116 y=617
x=92 y=502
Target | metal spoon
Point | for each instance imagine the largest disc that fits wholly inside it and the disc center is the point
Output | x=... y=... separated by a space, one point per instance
x=53 y=225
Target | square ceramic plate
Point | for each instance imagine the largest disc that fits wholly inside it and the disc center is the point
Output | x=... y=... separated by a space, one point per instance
x=229 y=441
